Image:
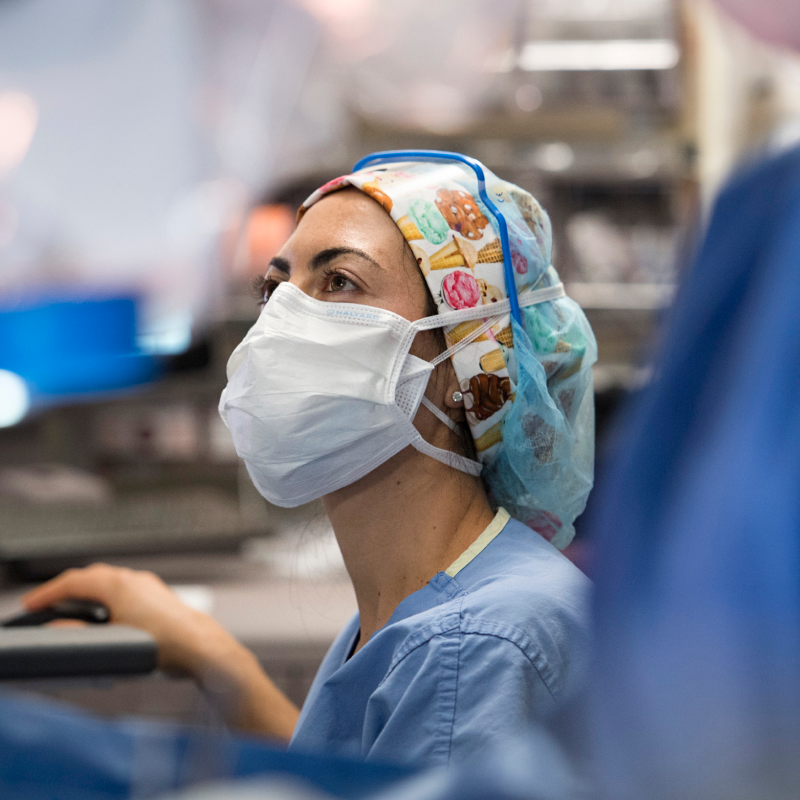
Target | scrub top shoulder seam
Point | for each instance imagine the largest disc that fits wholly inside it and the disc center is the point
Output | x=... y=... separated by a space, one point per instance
x=512 y=641
x=449 y=691
x=443 y=627
x=455 y=700
x=461 y=628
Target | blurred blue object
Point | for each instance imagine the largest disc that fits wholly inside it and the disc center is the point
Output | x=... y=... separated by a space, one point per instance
x=698 y=536
x=51 y=752
x=696 y=678
x=65 y=348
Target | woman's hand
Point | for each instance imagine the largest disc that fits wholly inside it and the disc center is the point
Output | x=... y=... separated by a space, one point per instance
x=139 y=599
x=188 y=642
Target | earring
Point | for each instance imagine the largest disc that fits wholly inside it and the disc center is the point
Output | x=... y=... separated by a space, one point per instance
x=457 y=397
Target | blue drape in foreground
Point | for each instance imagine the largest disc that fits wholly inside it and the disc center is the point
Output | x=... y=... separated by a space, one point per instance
x=698 y=539
x=51 y=752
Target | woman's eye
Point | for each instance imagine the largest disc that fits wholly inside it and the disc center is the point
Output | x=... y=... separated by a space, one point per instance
x=265 y=291
x=339 y=283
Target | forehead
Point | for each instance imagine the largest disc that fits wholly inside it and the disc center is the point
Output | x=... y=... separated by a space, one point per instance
x=347 y=218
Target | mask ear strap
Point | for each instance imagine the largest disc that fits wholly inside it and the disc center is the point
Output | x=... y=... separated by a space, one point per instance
x=529 y=298
x=462 y=343
x=449 y=318
x=448 y=457
x=440 y=415
x=453 y=460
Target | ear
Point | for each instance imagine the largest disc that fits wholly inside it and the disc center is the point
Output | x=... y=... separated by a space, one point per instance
x=452 y=386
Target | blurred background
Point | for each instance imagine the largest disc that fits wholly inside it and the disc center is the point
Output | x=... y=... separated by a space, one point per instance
x=152 y=157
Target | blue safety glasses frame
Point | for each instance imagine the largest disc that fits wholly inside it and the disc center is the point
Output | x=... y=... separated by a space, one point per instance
x=443 y=156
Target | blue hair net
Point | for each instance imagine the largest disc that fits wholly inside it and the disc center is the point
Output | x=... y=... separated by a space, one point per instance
x=544 y=471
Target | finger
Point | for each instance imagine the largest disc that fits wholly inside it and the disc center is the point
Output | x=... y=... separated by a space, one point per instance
x=91 y=583
x=46 y=593
x=67 y=623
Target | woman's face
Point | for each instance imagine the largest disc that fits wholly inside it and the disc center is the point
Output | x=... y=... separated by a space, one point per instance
x=347 y=249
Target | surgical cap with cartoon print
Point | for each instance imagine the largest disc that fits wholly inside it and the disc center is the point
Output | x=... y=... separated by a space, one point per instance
x=527 y=390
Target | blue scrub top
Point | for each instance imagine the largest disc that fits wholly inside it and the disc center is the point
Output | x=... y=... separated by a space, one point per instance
x=485 y=648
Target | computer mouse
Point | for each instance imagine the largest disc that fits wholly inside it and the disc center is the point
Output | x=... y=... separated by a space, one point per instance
x=71 y=608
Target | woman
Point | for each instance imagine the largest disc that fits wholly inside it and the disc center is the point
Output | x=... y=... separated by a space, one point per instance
x=469 y=624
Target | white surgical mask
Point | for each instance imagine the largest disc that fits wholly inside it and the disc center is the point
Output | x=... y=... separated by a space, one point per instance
x=320 y=394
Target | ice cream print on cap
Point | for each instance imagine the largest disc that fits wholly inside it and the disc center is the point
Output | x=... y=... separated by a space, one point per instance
x=527 y=391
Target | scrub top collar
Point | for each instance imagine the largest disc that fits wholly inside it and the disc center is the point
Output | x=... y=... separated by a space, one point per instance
x=443 y=583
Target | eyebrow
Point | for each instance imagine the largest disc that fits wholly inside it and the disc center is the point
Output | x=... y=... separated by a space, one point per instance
x=280 y=264
x=324 y=257
x=320 y=260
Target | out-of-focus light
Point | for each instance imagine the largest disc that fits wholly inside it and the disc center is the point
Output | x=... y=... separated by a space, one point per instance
x=611 y=54
x=528 y=97
x=347 y=19
x=18 y=118
x=266 y=231
x=9 y=222
x=173 y=336
x=554 y=157
x=198 y=215
x=438 y=108
x=14 y=398
x=643 y=163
